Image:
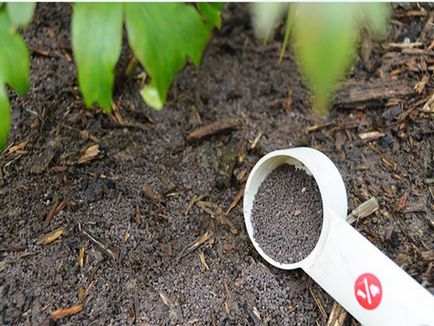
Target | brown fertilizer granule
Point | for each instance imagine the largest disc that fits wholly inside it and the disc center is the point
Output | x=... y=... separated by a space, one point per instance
x=287 y=214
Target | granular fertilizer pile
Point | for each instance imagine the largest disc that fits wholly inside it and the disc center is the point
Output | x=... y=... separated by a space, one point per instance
x=287 y=214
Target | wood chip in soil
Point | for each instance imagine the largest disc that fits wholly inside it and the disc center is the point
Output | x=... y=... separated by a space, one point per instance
x=89 y=154
x=66 y=312
x=50 y=237
x=195 y=244
x=151 y=194
x=357 y=93
x=99 y=244
x=214 y=128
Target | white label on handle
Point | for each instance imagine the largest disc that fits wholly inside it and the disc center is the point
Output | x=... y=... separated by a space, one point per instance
x=368 y=291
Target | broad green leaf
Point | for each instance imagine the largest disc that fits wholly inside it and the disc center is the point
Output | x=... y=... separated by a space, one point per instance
x=217 y=5
x=21 y=13
x=376 y=15
x=163 y=36
x=5 y=117
x=14 y=57
x=265 y=17
x=14 y=70
x=5 y=22
x=211 y=13
x=324 y=40
x=97 y=42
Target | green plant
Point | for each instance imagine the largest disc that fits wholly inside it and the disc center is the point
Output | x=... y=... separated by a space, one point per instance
x=324 y=38
x=163 y=37
x=14 y=58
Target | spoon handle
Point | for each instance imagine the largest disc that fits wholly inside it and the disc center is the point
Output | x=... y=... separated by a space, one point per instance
x=369 y=285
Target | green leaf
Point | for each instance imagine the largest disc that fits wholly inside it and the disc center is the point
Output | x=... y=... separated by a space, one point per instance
x=211 y=13
x=376 y=15
x=217 y=5
x=21 y=13
x=14 y=70
x=5 y=22
x=163 y=36
x=97 y=42
x=14 y=57
x=5 y=117
x=324 y=38
x=265 y=17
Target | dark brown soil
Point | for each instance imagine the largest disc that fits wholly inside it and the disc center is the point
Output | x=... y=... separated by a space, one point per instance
x=147 y=256
x=287 y=214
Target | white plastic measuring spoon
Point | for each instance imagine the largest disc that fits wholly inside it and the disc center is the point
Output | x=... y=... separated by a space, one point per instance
x=369 y=285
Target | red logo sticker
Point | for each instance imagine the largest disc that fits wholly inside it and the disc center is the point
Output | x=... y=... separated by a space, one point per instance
x=368 y=291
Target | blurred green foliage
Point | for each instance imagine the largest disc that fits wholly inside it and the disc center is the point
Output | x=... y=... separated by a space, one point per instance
x=324 y=38
x=14 y=58
x=164 y=36
x=20 y=13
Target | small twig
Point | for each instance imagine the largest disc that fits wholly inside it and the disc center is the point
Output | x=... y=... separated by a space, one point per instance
x=418 y=52
x=192 y=201
x=337 y=315
x=50 y=237
x=319 y=126
x=195 y=244
x=203 y=265
x=236 y=200
x=60 y=313
x=318 y=300
x=405 y=45
x=105 y=249
x=427 y=105
x=214 y=128
x=51 y=213
x=427 y=27
x=256 y=140
x=223 y=219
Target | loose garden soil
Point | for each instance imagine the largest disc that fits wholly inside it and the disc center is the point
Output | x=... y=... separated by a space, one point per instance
x=132 y=219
